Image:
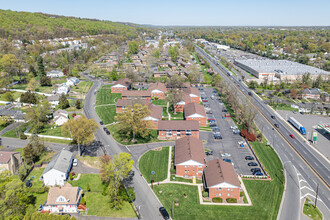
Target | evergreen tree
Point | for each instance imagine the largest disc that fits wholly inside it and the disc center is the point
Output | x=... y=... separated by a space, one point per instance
x=41 y=68
x=45 y=81
x=88 y=187
x=63 y=102
x=78 y=104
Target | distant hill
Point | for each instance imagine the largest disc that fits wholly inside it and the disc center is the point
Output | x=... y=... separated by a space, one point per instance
x=31 y=26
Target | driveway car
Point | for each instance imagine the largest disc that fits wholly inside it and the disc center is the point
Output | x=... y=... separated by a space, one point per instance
x=75 y=162
x=249 y=158
x=225 y=155
x=252 y=164
x=291 y=135
x=164 y=213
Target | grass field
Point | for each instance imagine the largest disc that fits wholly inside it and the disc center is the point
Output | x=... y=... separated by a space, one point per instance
x=161 y=102
x=82 y=87
x=106 y=113
x=34 y=176
x=56 y=131
x=156 y=161
x=97 y=203
x=311 y=211
x=104 y=96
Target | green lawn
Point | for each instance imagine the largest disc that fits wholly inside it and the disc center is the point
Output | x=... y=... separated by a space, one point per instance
x=159 y=102
x=97 y=203
x=181 y=179
x=53 y=131
x=36 y=183
x=11 y=133
x=311 y=211
x=106 y=113
x=82 y=87
x=16 y=95
x=104 y=96
x=156 y=161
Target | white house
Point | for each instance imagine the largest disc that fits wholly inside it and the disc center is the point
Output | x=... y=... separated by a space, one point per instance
x=72 y=81
x=57 y=171
x=60 y=117
x=64 y=199
x=63 y=89
x=55 y=74
x=54 y=100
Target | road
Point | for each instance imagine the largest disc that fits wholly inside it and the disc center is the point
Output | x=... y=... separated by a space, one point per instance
x=146 y=201
x=313 y=168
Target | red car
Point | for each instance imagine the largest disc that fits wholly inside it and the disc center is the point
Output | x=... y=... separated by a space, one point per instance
x=291 y=135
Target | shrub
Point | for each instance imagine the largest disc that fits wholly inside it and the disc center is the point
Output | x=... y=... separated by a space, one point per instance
x=23 y=136
x=8 y=96
x=231 y=200
x=29 y=97
x=88 y=187
x=241 y=194
x=39 y=190
x=217 y=199
x=249 y=136
x=205 y=194
x=73 y=173
x=45 y=81
x=83 y=201
x=70 y=176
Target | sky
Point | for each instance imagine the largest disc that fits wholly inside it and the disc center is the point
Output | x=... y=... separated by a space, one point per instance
x=186 y=12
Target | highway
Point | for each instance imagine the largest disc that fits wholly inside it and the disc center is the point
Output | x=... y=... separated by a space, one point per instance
x=146 y=201
x=297 y=157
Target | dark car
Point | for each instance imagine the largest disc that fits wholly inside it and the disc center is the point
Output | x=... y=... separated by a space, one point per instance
x=206 y=105
x=107 y=132
x=227 y=160
x=209 y=153
x=217 y=136
x=249 y=158
x=164 y=213
x=253 y=170
x=258 y=173
x=214 y=91
x=224 y=110
x=252 y=164
x=209 y=112
x=101 y=122
x=216 y=129
x=276 y=125
x=273 y=116
x=212 y=125
x=104 y=129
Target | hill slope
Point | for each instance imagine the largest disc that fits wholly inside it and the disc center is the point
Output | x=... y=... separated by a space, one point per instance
x=31 y=26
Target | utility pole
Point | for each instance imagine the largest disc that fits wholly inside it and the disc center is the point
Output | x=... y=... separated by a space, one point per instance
x=317 y=192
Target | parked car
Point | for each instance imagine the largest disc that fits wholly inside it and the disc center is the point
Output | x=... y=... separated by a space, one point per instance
x=205 y=100
x=216 y=129
x=236 y=131
x=164 y=213
x=104 y=129
x=209 y=112
x=252 y=164
x=291 y=135
x=273 y=116
x=233 y=127
x=217 y=136
x=107 y=132
x=206 y=105
x=224 y=110
x=258 y=173
x=227 y=160
x=294 y=112
x=207 y=153
x=255 y=170
x=101 y=122
x=249 y=158
x=75 y=162
x=214 y=91
x=225 y=155
x=212 y=125
x=276 y=125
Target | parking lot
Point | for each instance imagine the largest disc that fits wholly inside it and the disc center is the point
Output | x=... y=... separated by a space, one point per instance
x=310 y=123
x=229 y=142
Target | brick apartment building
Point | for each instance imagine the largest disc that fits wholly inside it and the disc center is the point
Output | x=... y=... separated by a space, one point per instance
x=136 y=94
x=175 y=129
x=121 y=104
x=157 y=90
x=156 y=113
x=193 y=111
x=220 y=180
x=189 y=157
x=121 y=85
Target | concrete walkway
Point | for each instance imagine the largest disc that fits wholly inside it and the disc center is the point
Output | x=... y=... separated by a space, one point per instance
x=169 y=164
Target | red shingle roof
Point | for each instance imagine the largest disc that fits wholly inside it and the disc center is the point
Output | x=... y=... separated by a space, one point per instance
x=125 y=82
x=159 y=86
x=178 y=125
x=130 y=102
x=192 y=90
x=192 y=108
x=218 y=171
x=189 y=148
x=156 y=111
x=136 y=93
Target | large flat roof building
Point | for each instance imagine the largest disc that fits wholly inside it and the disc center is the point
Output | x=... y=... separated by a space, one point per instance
x=280 y=69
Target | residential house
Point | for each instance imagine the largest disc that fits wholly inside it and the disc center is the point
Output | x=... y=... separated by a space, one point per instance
x=60 y=117
x=57 y=171
x=311 y=94
x=158 y=90
x=54 y=100
x=220 y=180
x=72 y=81
x=16 y=115
x=158 y=74
x=121 y=85
x=156 y=113
x=63 y=89
x=63 y=199
x=55 y=74
x=185 y=100
x=10 y=161
x=136 y=94
x=194 y=111
x=189 y=157
x=175 y=129
x=193 y=93
x=171 y=65
x=121 y=104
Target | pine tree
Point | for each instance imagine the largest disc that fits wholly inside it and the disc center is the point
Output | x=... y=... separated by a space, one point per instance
x=78 y=104
x=83 y=201
x=63 y=102
x=41 y=68
x=28 y=154
x=88 y=187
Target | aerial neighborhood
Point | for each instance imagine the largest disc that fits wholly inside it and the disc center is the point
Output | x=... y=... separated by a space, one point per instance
x=103 y=119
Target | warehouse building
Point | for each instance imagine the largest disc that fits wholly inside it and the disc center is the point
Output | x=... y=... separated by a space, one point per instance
x=275 y=70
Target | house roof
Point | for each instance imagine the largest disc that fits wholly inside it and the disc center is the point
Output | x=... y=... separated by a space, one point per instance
x=218 y=171
x=191 y=90
x=156 y=111
x=5 y=156
x=178 y=125
x=136 y=93
x=61 y=162
x=71 y=195
x=60 y=112
x=189 y=148
x=159 y=86
x=192 y=108
x=128 y=102
x=125 y=82
x=54 y=97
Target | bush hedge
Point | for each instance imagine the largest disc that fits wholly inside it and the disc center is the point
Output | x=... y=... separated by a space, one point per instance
x=217 y=199
x=231 y=200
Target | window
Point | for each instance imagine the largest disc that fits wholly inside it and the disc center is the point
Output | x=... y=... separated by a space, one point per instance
x=200 y=166
x=228 y=194
x=219 y=194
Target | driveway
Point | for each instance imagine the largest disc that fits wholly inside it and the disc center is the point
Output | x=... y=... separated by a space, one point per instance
x=82 y=168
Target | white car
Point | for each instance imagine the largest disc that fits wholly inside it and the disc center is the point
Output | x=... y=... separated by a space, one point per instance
x=75 y=162
x=225 y=155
